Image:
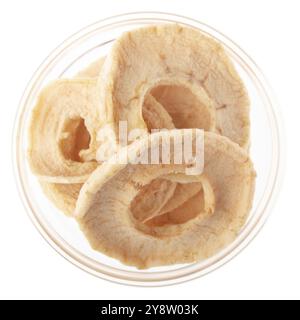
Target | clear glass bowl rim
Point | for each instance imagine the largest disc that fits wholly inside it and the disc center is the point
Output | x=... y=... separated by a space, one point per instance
x=191 y=271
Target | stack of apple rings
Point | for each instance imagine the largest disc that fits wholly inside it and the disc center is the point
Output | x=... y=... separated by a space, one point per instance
x=163 y=83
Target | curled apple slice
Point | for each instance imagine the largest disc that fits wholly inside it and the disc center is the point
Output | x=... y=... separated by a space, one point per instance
x=189 y=73
x=63 y=129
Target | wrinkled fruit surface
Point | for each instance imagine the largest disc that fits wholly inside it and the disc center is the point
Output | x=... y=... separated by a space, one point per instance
x=167 y=77
x=188 y=234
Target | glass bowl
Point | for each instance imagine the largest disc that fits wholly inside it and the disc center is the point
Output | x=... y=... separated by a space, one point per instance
x=62 y=233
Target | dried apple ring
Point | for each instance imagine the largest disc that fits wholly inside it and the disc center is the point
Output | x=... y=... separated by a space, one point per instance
x=63 y=131
x=103 y=208
x=172 y=56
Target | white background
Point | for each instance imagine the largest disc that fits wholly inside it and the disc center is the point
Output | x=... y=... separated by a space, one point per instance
x=269 y=267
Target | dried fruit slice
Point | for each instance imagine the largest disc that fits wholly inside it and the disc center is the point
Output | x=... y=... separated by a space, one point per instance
x=63 y=128
x=103 y=208
x=64 y=196
x=169 y=57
